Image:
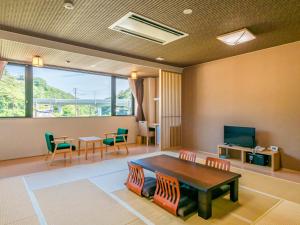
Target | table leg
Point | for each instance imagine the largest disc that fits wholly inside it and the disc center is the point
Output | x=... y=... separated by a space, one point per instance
x=155 y=143
x=86 y=145
x=234 y=190
x=93 y=147
x=101 y=149
x=204 y=204
x=79 y=146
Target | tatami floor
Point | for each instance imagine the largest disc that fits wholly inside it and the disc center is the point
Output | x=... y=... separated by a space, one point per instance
x=94 y=193
x=24 y=166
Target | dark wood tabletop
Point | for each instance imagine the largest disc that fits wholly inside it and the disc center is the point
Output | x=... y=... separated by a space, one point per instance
x=199 y=176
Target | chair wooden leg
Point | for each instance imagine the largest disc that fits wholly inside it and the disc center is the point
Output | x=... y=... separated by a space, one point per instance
x=65 y=154
x=126 y=147
x=53 y=156
x=147 y=140
x=46 y=159
x=71 y=154
x=101 y=149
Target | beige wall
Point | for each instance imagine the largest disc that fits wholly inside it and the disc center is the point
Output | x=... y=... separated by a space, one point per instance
x=25 y=137
x=148 y=101
x=259 y=89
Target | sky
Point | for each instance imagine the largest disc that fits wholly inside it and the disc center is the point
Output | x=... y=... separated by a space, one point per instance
x=89 y=86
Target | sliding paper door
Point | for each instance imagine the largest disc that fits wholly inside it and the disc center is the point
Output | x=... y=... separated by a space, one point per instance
x=170 y=109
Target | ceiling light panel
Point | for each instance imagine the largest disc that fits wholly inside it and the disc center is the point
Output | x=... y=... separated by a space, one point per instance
x=237 y=37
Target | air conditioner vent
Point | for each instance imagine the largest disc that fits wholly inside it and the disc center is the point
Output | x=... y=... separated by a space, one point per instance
x=142 y=27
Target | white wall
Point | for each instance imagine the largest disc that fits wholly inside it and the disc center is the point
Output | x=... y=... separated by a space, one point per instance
x=25 y=137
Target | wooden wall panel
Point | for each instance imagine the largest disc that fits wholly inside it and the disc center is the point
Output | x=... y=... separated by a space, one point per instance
x=170 y=109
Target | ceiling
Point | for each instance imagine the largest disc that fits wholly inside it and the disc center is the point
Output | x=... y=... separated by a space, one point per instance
x=16 y=51
x=274 y=22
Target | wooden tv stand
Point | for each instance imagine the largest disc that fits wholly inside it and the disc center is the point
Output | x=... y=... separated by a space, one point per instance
x=275 y=156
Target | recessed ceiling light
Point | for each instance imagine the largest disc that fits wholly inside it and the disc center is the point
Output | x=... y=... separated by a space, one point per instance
x=69 y=5
x=236 y=37
x=160 y=58
x=187 y=11
x=68 y=61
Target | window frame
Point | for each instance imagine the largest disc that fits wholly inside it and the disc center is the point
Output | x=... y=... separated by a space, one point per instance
x=115 y=98
x=25 y=76
x=28 y=71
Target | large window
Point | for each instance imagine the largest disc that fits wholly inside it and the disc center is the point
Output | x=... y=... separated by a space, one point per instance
x=51 y=92
x=123 y=97
x=60 y=93
x=12 y=91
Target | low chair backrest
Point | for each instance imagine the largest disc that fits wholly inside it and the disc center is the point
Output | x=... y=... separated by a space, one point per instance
x=167 y=193
x=187 y=155
x=122 y=131
x=49 y=140
x=135 y=179
x=143 y=128
x=218 y=163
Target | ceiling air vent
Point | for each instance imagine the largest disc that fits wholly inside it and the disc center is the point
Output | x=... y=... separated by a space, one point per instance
x=142 y=27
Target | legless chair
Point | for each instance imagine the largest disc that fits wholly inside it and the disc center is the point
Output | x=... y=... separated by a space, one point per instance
x=220 y=164
x=138 y=183
x=144 y=131
x=167 y=195
x=59 y=145
x=187 y=155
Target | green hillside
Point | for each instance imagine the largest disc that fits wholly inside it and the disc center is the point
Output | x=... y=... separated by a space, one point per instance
x=42 y=90
x=12 y=99
x=12 y=94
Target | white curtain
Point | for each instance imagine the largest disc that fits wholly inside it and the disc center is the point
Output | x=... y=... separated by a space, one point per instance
x=2 y=66
x=133 y=91
x=149 y=103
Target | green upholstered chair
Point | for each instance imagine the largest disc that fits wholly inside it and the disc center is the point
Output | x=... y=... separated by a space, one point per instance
x=116 y=138
x=59 y=145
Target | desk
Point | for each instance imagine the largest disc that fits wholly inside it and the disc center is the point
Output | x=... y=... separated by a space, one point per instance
x=155 y=126
x=90 y=140
x=201 y=177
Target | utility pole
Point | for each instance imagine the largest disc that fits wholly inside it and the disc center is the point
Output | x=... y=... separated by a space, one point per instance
x=75 y=95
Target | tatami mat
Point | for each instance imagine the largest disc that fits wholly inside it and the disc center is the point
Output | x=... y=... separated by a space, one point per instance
x=27 y=221
x=15 y=204
x=251 y=206
x=286 y=213
x=274 y=186
x=66 y=197
x=83 y=203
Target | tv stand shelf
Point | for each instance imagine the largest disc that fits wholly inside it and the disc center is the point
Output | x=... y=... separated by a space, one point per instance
x=275 y=156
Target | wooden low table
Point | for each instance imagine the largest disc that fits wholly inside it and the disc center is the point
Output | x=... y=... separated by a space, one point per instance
x=90 y=140
x=202 y=177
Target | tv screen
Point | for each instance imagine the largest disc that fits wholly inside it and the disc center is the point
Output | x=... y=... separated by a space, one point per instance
x=241 y=136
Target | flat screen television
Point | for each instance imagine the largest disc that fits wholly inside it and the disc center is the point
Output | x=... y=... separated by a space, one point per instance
x=241 y=136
